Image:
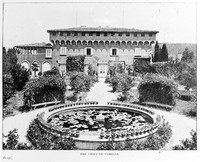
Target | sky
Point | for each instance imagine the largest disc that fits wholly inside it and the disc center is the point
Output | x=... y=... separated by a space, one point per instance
x=26 y=23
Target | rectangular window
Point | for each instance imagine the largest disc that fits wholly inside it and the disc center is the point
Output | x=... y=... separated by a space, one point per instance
x=83 y=34
x=75 y=34
x=90 y=34
x=114 y=52
x=150 y=35
x=137 y=51
x=88 y=51
x=63 y=50
x=127 y=34
x=61 y=33
x=54 y=33
x=135 y=35
x=120 y=34
x=112 y=34
x=97 y=34
x=105 y=34
x=48 y=53
x=142 y=34
x=68 y=34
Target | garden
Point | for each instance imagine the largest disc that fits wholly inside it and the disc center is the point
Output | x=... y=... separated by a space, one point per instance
x=154 y=85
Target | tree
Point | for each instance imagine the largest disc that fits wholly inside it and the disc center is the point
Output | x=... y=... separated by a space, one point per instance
x=8 y=87
x=80 y=82
x=9 y=60
x=75 y=63
x=188 y=56
x=156 y=52
x=164 y=53
x=12 y=142
x=20 y=76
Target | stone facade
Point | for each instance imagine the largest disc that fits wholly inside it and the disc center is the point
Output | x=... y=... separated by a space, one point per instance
x=101 y=46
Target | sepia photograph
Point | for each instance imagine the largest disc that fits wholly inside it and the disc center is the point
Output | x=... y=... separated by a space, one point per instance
x=105 y=80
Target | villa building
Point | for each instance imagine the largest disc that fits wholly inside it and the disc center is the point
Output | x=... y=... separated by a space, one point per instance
x=102 y=48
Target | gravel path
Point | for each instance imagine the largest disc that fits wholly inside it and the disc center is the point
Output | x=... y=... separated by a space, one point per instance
x=101 y=92
x=181 y=125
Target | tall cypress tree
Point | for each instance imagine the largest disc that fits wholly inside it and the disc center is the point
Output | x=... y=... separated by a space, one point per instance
x=164 y=53
x=156 y=52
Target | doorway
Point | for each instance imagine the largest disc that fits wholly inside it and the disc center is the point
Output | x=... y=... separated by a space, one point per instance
x=102 y=70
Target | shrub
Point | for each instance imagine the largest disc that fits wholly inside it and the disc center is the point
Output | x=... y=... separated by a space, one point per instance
x=188 y=144
x=143 y=67
x=43 y=140
x=44 y=89
x=120 y=82
x=157 y=88
x=12 y=142
x=75 y=63
x=80 y=82
x=53 y=71
x=8 y=87
x=154 y=142
x=20 y=76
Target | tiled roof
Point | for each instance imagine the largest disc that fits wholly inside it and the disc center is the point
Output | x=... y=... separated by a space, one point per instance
x=35 y=45
x=102 y=29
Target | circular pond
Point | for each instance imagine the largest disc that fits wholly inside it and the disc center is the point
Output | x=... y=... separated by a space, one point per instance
x=90 y=124
x=99 y=119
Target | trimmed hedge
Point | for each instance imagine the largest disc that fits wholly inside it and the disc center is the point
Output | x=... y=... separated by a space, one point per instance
x=43 y=140
x=157 y=88
x=44 y=89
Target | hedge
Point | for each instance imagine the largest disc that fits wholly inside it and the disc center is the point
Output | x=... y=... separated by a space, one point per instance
x=157 y=88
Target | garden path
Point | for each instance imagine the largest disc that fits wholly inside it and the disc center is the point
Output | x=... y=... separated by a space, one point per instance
x=21 y=122
x=101 y=92
x=181 y=125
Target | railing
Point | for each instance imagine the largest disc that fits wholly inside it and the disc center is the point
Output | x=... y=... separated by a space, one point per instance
x=158 y=105
x=132 y=133
x=45 y=104
x=137 y=107
x=73 y=104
